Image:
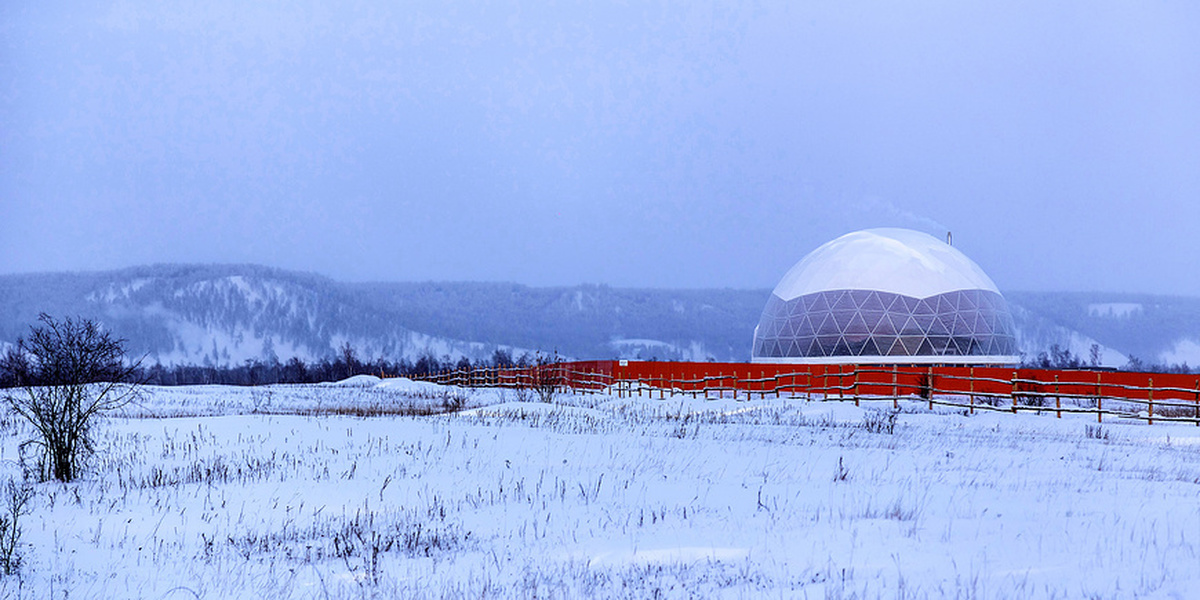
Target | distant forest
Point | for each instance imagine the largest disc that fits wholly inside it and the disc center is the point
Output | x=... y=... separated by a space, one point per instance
x=295 y=370
x=348 y=364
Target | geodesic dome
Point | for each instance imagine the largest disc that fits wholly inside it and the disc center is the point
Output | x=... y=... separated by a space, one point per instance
x=886 y=296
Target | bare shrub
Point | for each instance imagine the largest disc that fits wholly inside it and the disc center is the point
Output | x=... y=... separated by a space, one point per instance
x=547 y=377
x=452 y=401
x=522 y=393
x=16 y=500
x=70 y=373
x=879 y=421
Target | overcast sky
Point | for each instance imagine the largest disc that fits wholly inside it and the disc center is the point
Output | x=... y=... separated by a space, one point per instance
x=634 y=144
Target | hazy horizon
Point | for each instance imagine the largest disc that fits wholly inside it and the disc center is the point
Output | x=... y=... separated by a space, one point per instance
x=690 y=146
x=311 y=273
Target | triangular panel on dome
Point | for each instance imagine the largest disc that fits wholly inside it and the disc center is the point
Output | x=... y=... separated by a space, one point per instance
x=796 y=308
x=967 y=300
x=910 y=327
x=779 y=326
x=856 y=325
x=908 y=304
x=842 y=348
x=941 y=325
x=924 y=307
x=827 y=326
x=869 y=348
x=882 y=324
x=872 y=302
x=859 y=297
x=817 y=302
x=924 y=322
x=993 y=323
x=961 y=327
x=985 y=301
x=898 y=319
x=789 y=329
x=946 y=304
x=912 y=344
x=843 y=302
x=827 y=343
x=939 y=343
x=980 y=326
x=804 y=326
x=893 y=302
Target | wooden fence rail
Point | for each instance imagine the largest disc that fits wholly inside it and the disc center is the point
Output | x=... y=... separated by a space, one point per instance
x=1175 y=397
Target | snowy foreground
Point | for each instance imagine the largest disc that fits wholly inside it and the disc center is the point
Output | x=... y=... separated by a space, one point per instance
x=289 y=492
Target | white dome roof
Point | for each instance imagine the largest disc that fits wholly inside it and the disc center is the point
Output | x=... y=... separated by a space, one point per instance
x=900 y=261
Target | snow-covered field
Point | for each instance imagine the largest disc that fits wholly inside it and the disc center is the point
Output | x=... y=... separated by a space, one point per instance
x=288 y=492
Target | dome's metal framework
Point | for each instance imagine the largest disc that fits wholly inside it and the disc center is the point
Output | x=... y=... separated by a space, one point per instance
x=872 y=323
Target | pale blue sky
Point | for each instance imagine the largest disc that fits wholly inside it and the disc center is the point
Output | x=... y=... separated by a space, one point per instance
x=635 y=144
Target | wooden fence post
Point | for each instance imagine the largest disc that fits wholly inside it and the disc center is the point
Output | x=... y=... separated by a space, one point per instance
x=1013 y=394
x=971 y=383
x=856 y=385
x=895 y=389
x=1099 y=401
x=929 y=378
x=1150 y=404
x=1057 y=398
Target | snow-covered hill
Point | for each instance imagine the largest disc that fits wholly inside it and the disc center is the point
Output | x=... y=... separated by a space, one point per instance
x=223 y=315
x=227 y=315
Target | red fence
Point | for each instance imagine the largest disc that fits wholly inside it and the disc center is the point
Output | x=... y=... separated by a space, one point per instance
x=1148 y=396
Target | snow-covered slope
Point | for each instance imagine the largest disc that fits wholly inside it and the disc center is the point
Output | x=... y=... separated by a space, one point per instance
x=1036 y=334
x=225 y=315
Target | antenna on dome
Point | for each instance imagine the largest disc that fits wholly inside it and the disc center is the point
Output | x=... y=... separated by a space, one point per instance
x=949 y=239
